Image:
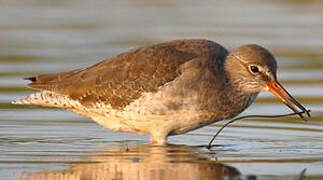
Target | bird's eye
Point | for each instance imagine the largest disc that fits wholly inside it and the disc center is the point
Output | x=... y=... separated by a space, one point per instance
x=254 y=69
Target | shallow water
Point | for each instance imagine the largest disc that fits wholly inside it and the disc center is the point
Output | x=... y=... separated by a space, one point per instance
x=50 y=36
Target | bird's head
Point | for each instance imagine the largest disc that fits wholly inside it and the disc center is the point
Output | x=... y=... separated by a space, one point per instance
x=253 y=69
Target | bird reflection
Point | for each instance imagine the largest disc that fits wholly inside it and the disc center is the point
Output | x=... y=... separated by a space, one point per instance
x=141 y=162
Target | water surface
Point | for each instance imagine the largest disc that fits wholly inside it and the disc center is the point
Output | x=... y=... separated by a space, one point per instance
x=51 y=36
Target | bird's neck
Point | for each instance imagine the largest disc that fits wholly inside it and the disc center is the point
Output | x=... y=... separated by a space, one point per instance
x=234 y=100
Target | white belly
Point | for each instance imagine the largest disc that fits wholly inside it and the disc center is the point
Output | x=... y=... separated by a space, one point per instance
x=153 y=112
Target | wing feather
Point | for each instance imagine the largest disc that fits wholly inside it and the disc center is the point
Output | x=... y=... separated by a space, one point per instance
x=122 y=79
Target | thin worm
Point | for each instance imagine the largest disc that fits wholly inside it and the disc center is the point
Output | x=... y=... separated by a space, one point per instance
x=253 y=116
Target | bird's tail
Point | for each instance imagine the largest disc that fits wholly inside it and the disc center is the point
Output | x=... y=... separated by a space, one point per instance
x=47 y=98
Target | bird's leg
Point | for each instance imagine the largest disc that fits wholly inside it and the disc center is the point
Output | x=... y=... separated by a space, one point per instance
x=158 y=138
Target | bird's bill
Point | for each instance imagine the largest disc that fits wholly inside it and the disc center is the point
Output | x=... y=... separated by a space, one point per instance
x=278 y=90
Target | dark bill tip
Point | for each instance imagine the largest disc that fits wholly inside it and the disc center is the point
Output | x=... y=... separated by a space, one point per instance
x=275 y=88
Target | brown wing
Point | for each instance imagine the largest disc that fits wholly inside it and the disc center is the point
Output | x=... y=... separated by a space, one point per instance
x=122 y=79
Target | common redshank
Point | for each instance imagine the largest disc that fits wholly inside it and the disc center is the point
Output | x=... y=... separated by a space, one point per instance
x=164 y=89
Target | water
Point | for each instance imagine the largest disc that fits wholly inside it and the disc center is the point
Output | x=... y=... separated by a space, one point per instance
x=50 y=36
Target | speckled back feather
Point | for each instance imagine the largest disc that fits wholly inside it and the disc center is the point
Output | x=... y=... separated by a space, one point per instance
x=123 y=78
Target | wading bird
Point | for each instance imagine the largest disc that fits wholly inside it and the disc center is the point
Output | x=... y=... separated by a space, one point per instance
x=164 y=89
